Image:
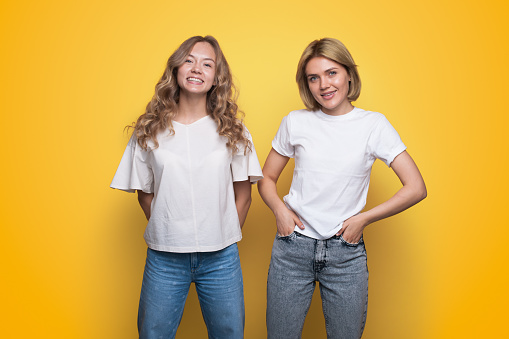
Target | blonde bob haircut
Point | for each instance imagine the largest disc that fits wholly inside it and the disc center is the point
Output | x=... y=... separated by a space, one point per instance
x=221 y=100
x=334 y=50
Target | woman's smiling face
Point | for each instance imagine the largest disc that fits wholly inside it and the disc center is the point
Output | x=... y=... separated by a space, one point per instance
x=328 y=81
x=196 y=75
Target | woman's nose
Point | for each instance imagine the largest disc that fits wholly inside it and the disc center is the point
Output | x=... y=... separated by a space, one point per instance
x=324 y=83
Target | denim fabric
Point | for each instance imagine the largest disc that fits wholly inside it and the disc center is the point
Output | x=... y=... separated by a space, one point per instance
x=297 y=263
x=166 y=280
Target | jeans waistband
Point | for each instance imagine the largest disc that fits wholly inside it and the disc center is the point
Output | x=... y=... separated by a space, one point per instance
x=305 y=236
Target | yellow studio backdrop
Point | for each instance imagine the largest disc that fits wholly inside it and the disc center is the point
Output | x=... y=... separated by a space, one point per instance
x=74 y=73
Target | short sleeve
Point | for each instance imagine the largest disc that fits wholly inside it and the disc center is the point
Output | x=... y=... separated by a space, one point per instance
x=134 y=172
x=385 y=143
x=281 y=142
x=246 y=166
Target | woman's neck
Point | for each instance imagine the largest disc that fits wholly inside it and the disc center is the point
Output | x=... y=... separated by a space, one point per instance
x=191 y=109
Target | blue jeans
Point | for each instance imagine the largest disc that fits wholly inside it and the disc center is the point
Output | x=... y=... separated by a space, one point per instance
x=166 y=280
x=297 y=263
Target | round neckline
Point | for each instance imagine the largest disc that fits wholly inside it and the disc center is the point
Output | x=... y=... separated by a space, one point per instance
x=345 y=116
x=192 y=123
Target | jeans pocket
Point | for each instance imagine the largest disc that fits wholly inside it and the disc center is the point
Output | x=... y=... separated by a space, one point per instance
x=349 y=243
x=288 y=237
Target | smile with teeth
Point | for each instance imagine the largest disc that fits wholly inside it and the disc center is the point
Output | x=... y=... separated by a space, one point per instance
x=328 y=94
x=195 y=79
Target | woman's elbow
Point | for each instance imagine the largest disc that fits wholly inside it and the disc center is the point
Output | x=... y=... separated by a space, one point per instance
x=265 y=185
x=243 y=201
x=247 y=201
x=421 y=193
x=416 y=193
x=261 y=182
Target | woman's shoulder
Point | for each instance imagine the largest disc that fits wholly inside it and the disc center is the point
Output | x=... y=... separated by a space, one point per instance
x=246 y=132
x=300 y=113
x=370 y=115
x=374 y=121
x=300 y=116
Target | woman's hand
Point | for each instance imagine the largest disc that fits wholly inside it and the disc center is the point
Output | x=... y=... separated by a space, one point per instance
x=352 y=228
x=286 y=221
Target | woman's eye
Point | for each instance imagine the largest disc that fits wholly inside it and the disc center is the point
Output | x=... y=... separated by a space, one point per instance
x=208 y=65
x=332 y=73
x=312 y=79
x=188 y=61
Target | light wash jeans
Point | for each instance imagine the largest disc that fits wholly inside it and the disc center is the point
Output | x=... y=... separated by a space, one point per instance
x=297 y=263
x=166 y=280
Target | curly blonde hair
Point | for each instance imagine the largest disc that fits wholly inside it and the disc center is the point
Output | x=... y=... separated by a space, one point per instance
x=221 y=100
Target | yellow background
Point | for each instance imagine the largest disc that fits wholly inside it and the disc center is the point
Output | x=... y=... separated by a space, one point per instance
x=74 y=73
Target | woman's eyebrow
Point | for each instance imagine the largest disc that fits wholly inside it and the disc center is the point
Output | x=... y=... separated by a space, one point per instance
x=214 y=61
x=327 y=70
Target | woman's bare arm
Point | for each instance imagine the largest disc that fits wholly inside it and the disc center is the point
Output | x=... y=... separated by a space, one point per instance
x=413 y=191
x=242 y=191
x=145 y=200
x=285 y=218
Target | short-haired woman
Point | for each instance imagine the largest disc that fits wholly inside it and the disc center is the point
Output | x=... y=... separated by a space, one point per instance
x=321 y=221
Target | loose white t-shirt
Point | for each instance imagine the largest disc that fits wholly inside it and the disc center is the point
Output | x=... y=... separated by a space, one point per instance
x=333 y=159
x=191 y=174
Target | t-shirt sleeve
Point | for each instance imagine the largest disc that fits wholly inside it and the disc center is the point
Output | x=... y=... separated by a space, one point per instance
x=246 y=166
x=282 y=143
x=385 y=142
x=134 y=172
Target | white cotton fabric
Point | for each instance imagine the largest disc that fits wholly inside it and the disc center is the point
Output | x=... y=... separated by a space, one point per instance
x=191 y=174
x=333 y=159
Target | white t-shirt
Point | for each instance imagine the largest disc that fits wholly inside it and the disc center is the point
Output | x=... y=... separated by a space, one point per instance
x=333 y=159
x=191 y=174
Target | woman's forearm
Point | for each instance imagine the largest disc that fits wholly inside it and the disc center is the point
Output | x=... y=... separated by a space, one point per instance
x=268 y=191
x=145 y=200
x=242 y=191
x=413 y=190
x=242 y=209
x=406 y=197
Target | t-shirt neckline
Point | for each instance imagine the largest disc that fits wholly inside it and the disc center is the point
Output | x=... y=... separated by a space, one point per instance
x=342 y=117
x=193 y=123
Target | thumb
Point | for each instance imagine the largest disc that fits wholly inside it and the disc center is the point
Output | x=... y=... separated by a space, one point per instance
x=298 y=222
x=341 y=230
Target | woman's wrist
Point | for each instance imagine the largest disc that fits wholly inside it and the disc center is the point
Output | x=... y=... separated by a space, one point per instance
x=279 y=208
x=366 y=218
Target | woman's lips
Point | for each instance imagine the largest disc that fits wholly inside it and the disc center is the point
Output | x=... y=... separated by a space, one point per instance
x=328 y=95
x=196 y=80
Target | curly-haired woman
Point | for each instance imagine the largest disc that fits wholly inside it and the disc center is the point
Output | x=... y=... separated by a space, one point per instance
x=321 y=221
x=192 y=162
